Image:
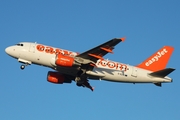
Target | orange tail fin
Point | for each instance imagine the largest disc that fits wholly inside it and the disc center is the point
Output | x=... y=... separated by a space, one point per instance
x=158 y=60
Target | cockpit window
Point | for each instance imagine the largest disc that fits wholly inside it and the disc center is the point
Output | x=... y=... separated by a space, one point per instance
x=19 y=44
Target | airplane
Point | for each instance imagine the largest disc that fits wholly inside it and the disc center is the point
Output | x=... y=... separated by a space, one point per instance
x=71 y=66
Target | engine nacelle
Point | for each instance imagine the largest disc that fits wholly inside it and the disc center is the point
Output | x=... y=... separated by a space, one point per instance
x=57 y=78
x=65 y=61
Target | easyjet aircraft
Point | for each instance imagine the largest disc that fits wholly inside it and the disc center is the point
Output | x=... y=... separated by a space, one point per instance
x=71 y=66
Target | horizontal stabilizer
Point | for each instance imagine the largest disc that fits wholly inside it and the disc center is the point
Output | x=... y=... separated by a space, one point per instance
x=158 y=84
x=162 y=73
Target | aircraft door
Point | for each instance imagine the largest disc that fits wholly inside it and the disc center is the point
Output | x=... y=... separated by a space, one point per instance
x=134 y=71
x=32 y=47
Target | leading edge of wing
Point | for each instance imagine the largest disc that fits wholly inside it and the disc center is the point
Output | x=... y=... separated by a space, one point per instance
x=98 y=52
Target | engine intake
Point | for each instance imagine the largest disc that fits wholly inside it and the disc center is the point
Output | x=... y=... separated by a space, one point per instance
x=57 y=78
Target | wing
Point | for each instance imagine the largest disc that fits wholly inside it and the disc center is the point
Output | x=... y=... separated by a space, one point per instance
x=91 y=56
x=101 y=50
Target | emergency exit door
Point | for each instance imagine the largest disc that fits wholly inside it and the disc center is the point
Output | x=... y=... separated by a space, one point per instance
x=134 y=71
x=32 y=47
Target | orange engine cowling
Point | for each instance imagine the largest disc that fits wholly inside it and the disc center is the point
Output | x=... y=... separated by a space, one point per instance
x=57 y=78
x=65 y=61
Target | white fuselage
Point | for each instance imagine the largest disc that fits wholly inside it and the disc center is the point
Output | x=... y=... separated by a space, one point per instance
x=33 y=53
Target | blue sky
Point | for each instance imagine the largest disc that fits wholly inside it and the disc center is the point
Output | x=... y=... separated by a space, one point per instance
x=79 y=26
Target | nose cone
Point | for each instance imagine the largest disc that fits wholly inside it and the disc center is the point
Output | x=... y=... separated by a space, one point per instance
x=8 y=50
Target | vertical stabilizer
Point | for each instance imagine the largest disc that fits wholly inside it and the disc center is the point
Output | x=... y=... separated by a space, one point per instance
x=158 y=60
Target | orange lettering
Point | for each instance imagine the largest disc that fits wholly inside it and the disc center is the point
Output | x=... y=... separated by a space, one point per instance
x=40 y=48
x=111 y=64
x=57 y=51
x=103 y=63
x=52 y=50
x=123 y=67
x=65 y=52
x=49 y=50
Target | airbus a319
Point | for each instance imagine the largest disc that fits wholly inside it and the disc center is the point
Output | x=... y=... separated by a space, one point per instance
x=71 y=66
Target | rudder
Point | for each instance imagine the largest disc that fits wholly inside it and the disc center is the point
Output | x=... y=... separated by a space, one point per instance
x=158 y=60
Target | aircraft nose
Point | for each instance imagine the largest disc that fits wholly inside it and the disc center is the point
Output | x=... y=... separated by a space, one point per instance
x=7 y=50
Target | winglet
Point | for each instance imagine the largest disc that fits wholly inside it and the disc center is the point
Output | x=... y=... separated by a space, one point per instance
x=123 y=39
x=158 y=60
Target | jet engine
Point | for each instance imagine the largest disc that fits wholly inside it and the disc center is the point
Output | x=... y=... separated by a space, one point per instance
x=57 y=78
x=65 y=61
